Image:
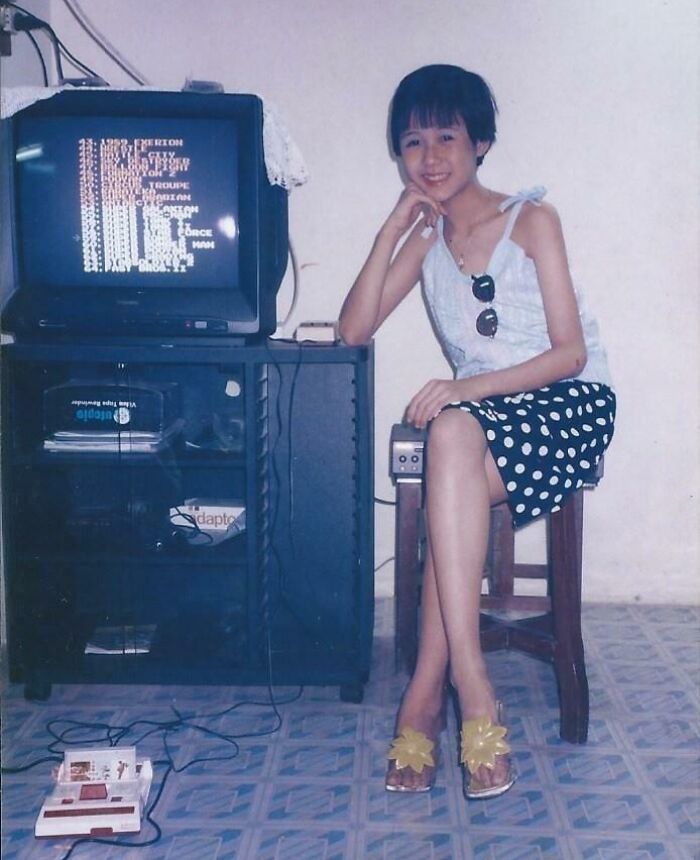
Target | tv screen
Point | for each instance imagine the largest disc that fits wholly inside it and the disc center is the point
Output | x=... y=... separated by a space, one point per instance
x=125 y=208
x=144 y=213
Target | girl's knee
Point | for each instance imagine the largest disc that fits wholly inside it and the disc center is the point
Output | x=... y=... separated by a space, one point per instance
x=455 y=431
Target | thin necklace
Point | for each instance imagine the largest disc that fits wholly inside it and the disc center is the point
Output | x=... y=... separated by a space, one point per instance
x=458 y=252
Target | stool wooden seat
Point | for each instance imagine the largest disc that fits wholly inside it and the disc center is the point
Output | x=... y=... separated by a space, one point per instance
x=547 y=627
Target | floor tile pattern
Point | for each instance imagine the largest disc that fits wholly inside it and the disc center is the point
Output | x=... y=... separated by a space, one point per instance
x=313 y=788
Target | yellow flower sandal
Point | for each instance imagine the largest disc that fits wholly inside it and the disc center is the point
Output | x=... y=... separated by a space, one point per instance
x=414 y=750
x=482 y=741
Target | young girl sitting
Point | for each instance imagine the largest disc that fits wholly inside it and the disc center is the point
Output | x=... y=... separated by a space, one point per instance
x=527 y=416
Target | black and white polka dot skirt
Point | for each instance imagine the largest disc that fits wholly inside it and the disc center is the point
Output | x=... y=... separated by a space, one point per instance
x=546 y=442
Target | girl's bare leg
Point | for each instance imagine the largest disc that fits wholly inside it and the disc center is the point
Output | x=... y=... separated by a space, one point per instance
x=462 y=484
x=424 y=701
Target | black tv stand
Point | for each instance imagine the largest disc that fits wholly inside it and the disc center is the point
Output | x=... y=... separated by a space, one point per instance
x=89 y=543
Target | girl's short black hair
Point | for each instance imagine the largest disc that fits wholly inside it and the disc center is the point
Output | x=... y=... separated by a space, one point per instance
x=437 y=95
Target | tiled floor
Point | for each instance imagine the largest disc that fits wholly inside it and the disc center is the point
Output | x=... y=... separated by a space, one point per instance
x=313 y=789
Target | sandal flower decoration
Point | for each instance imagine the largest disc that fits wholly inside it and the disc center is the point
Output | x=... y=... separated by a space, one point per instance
x=412 y=749
x=482 y=742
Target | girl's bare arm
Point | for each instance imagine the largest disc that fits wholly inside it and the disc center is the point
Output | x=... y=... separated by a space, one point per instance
x=387 y=277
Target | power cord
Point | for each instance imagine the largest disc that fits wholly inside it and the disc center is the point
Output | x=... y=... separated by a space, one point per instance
x=296 y=276
x=285 y=429
x=26 y=21
x=63 y=731
x=384 y=563
x=44 y=71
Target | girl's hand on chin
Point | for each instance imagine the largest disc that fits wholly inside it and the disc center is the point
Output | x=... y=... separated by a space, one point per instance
x=433 y=397
x=411 y=205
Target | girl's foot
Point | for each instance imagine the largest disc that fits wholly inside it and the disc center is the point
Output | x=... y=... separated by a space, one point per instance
x=413 y=754
x=485 y=753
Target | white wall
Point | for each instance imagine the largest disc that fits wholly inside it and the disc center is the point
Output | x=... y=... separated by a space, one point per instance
x=598 y=101
x=22 y=66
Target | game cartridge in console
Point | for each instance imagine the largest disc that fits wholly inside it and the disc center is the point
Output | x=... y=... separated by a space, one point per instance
x=98 y=792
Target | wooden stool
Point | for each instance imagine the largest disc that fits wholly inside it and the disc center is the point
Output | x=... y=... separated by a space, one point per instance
x=547 y=627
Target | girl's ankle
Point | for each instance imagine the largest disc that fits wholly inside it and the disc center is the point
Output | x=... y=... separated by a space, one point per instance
x=429 y=703
x=476 y=698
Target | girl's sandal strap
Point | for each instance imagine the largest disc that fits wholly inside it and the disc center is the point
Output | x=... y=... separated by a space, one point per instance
x=412 y=749
x=411 y=753
x=482 y=741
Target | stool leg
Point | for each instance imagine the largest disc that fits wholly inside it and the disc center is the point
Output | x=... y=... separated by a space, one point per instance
x=406 y=573
x=502 y=545
x=565 y=554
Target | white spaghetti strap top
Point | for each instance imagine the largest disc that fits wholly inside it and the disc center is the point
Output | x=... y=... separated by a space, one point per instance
x=522 y=326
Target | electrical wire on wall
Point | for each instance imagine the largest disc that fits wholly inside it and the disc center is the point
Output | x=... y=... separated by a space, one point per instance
x=295 y=285
x=35 y=44
x=101 y=40
x=30 y=22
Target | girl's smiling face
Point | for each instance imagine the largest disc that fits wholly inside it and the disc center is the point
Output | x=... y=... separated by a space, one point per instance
x=442 y=162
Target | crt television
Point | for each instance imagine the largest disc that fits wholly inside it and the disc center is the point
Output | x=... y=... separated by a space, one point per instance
x=140 y=213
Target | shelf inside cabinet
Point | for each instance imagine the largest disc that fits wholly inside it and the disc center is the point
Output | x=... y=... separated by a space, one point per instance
x=95 y=540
